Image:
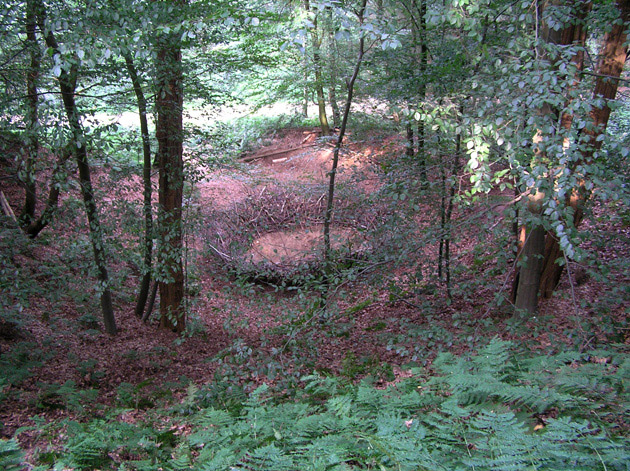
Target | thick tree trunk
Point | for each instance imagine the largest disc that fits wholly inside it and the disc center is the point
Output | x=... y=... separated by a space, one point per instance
x=612 y=59
x=529 y=275
x=169 y=133
x=342 y=131
x=67 y=84
x=528 y=280
x=32 y=118
x=147 y=190
x=524 y=293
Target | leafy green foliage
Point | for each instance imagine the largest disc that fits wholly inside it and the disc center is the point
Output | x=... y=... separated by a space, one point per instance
x=10 y=456
x=495 y=410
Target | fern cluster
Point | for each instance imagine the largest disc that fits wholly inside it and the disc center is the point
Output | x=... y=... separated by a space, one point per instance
x=496 y=410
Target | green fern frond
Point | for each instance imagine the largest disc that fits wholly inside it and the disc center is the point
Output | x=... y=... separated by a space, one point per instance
x=340 y=405
x=10 y=455
x=89 y=453
x=180 y=463
x=267 y=458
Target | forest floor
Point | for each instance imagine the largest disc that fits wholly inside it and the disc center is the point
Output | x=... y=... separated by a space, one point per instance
x=375 y=330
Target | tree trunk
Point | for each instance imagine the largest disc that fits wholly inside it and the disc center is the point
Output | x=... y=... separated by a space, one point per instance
x=526 y=301
x=449 y=207
x=67 y=84
x=533 y=249
x=342 y=132
x=32 y=118
x=612 y=59
x=35 y=227
x=332 y=97
x=410 y=145
x=306 y=100
x=421 y=36
x=147 y=190
x=529 y=275
x=319 y=88
x=169 y=133
x=317 y=67
x=332 y=61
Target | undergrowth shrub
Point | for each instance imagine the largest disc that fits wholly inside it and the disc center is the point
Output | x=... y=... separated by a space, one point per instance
x=498 y=409
x=10 y=456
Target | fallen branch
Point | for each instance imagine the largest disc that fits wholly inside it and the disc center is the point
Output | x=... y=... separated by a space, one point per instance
x=278 y=152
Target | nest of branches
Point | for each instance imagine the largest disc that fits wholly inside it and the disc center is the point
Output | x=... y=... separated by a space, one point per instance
x=275 y=234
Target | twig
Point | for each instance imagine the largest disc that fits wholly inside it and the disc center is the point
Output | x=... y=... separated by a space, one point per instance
x=221 y=254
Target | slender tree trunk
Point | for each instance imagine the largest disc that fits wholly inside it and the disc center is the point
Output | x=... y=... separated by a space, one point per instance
x=342 y=131
x=332 y=97
x=317 y=67
x=410 y=146
x=147 y=190
x=442 y=221
x=449 y=207
x=151 y=302
x=306 y=100
x=319 y=88
x=32 y=118
x=169 y=133
x=67 y=84
x=612 y=59
x=421 y=36
x=332 y=62
x=36 y=226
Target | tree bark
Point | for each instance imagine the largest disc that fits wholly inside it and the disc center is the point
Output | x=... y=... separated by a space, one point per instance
x=449 y=207
x=147 y=190
x=32 y=117
x=421 y=36
x=332 y=62
x=524 y=293
x=306 y=100
x=67 y=84
x=410 y=145
x=529 y=275
x=612 y=59
x=317 y=67
x=342 y=131
x=169 y=133
x=36 y=226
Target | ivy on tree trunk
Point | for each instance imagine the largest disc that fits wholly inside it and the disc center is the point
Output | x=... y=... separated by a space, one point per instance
x=169 y=134
x=67 y=85
x=147 y=190
x=612 y=59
